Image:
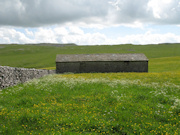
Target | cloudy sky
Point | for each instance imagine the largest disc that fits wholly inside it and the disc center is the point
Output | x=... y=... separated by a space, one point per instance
x=90 y=22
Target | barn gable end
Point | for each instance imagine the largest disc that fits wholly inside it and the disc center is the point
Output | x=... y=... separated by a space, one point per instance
x=86 y=63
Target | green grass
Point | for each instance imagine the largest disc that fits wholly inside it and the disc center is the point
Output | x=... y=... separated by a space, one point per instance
x=94 y=103
x=111 y=103
x=165 y=64
x=34 y=56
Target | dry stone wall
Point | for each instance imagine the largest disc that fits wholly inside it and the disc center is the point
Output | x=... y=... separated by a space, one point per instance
x=10 y=76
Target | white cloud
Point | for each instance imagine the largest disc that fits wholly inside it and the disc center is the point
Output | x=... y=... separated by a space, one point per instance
x=45 y=35
x=159 y=8
x=38 y=13
x=78 y=36
x=129 y=11
x=149 y=38
x=9 y=35
x=29 y=33
x=165 y=11
x=60 y=31
x=135 y=24
x=86 y=39
x=34 y=13
x=70 y=21
x=75 y=30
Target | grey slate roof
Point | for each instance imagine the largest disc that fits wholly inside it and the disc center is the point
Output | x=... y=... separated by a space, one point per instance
x=101 y=57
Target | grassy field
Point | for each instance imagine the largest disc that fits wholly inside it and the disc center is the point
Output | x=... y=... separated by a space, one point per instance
x=93 y=103
x=112 y=103
x=34 y=56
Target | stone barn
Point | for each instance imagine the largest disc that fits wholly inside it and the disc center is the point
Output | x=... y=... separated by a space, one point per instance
x=86 y=63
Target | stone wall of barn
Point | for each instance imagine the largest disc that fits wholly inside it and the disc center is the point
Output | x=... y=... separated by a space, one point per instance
x=102 y=66
x=10 y=76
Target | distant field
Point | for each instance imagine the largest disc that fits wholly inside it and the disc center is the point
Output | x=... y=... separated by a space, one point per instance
x=165 y=64
x=161 y=57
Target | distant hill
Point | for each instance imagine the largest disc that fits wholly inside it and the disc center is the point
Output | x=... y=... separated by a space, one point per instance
x=47 y=44
x=53 y=44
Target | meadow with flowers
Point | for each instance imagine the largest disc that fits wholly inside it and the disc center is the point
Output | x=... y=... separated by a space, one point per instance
x=94 y=103
x=97 y=103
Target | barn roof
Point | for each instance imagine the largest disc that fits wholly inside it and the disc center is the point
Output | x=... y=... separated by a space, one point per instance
x=101 y=57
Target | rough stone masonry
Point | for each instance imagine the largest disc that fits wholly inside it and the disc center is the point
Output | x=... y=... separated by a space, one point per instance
x=10 y=76
x=86 y=63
